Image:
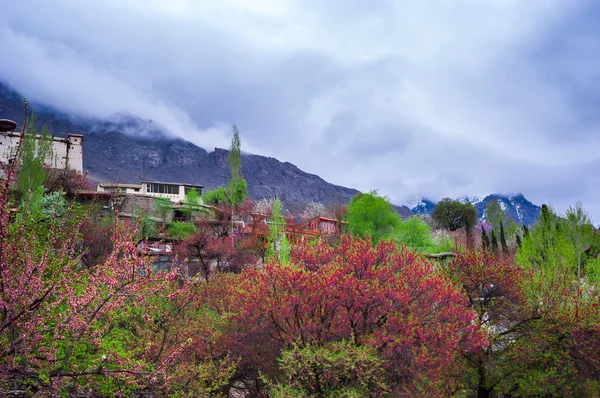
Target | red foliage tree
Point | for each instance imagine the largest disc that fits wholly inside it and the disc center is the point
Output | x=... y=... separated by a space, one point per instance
x=536 y=328
x=113 y=326
x=227 y=240
x=69 y=181
x=389 y=299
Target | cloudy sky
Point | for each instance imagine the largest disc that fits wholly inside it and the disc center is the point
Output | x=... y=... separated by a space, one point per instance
x=414 y=97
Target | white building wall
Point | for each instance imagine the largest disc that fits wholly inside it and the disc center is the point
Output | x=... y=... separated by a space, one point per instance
x=64 y=150
x=121 y=188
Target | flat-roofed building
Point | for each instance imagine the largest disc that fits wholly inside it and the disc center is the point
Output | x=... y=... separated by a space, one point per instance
x=174 y=191
x=120 y=188
x=65 y=151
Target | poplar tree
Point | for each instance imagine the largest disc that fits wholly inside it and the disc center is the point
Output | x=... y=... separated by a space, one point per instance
x=494 y=242
x=547 y=247
x=485 y=240
x=32 y=173
x=278 y=247
x=580 y=231
x=503 y=239
x=237 y=187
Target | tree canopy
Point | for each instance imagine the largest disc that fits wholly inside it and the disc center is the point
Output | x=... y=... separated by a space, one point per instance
x=452 y=214
x=558 y=245
x=237 y=188
x=416 y=234
x=371 y=214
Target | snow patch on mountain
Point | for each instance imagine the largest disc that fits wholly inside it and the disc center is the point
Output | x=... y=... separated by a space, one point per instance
x=469 y=199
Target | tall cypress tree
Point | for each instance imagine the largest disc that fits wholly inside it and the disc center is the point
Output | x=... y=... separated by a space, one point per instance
x=503 y=239
x=494 y=242
x=485 y=240
x=237 y=186
x=518 y=239
x=525 y=230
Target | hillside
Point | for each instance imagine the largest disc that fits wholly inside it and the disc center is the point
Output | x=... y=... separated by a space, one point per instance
x=111 y=155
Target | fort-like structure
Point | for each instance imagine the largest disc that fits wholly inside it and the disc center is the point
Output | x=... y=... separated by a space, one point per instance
x=66 y=152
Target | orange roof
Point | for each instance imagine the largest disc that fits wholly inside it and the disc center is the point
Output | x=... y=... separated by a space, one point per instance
x=324 y=219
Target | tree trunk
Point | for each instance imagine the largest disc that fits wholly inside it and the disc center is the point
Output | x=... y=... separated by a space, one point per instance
x=482 y=390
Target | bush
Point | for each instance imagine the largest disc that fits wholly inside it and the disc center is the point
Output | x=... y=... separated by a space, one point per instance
x=181 y=230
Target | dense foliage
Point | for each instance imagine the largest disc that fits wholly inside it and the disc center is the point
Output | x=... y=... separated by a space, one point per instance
x=453 y=215
x=239 y=308
x=372 y=215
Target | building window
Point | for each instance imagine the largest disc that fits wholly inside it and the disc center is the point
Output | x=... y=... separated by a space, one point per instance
x=188 y=189
x=163 y=188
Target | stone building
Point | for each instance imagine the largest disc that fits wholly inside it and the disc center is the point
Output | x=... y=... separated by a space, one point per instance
x=65 y=151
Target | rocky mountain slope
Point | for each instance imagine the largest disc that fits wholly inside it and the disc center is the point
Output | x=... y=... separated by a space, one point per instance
x=111 y=155
x=517 y=206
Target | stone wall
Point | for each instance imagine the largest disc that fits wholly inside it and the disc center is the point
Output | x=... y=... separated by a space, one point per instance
x=127 y=205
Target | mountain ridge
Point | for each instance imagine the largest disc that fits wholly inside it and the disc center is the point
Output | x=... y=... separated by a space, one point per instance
x=516 y=206
x=113 y=153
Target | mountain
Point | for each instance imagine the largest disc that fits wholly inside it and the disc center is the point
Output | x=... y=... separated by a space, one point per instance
x=516 y=206
x=422 y=206
x=133 y=150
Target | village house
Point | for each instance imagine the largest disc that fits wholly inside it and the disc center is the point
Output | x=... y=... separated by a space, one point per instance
x=130 y=199
x=298 y=232
x=66 y=152
x=324 y=225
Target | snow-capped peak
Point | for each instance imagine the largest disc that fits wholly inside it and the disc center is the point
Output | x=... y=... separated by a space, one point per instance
x=469 y=199
x=414 y=202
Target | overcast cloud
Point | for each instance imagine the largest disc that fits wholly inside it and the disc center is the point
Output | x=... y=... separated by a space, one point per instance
x=432 y=98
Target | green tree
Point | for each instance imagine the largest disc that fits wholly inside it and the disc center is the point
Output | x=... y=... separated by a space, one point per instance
x=237 y=186
x=547 y=247
x=373 y=215
x=580 y=231
x=235 y=155
x=452 y=214
x=146 y=225
x=237 y=190
x=216 y=196
x=494 y=242
x=191 y=204
x=278 y=247
x=503 y=238
x=497 y=216
x=416 y=234
x=336 y=369
x=181 y=230
x=33 y=154
x=163 y=208
x=485 y=240
x=54 y=206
